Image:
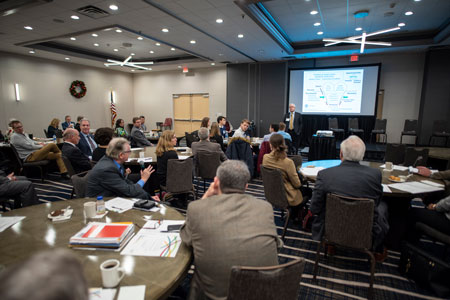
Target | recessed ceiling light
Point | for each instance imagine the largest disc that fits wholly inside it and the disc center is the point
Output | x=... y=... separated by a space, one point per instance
x=165 y=30
x=67 y=58
x=115 y=50
x=401 y=24
x=75 y=17
x=220 y=21
x=314 y=12
x=417 y=0
x=113 y=7
x=96 y=45
x=408 y=13
x=118 y=30
x=158 y=44
x=132 y=70
x=94 y=35
x=140 y=38
x=317 y=24
x=31 y=51
x=213 y=64
x=73 y=38
x=132 y=54
x=173 y=49
x=193 y=42
x=149 y=69
x=320 y=33
x=151 y=51
x=240 y=35
x=358 y=28
x=28 y=27
x=179 y=67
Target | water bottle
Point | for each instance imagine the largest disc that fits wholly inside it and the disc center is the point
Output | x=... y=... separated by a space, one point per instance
x=54 y=139
x=100 y=205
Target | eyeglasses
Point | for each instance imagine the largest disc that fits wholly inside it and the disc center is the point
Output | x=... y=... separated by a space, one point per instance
x=129 y=151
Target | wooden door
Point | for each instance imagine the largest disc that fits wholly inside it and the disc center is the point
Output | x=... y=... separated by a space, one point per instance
x=189 y=110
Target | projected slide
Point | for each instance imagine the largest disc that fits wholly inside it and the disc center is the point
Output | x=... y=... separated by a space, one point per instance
x=332 y=91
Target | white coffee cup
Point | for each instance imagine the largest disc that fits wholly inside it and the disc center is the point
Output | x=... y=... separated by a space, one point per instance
x=389 y=165
x=112 y=273
x=90 y=209
x=141 y=154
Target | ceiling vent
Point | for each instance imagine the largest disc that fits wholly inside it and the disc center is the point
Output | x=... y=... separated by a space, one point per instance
x=92 y=12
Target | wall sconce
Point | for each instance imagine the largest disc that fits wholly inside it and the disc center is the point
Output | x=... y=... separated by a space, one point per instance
x=17 y=91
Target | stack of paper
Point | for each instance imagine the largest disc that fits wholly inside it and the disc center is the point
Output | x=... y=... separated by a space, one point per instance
x=311 y=172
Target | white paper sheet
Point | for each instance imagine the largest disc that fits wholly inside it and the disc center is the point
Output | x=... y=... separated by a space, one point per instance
x=149 y=242
x=119 y=205
x=135 y=292
x=6 y=222
x=183 y=156
x=311 y=172
x=396 y=167
x=101 y=294
x=386 y=189
x=429 y=182
x=415 y=187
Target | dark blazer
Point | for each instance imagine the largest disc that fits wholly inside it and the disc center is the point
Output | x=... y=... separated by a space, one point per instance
x=83 y=144
x=65 y=125
x=79 y=161
x=239 y=148
x=161 y=165
x=98 y=153
x=51 y=131
x=353 y=180
x=219 y=140
x=139 y=138
x=106 y=180
x=297 y=122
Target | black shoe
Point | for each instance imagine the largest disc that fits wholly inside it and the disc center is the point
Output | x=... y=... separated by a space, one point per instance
x=65 y=176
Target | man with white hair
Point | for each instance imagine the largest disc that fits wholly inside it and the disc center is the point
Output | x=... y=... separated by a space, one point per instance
x=351 y=179
x=79 y=161
x=293 y=121
x=204 y=145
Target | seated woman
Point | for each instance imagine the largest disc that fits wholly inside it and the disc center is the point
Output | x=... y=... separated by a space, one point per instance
x=102 y=137
x=164 y=151
x=120 y=129
x=53 y=128
x=215 y=136
x=277 y=159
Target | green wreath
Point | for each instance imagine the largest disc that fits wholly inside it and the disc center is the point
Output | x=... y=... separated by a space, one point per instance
x=78 y=89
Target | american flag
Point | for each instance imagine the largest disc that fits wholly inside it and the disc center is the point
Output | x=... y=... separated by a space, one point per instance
x=113 y=111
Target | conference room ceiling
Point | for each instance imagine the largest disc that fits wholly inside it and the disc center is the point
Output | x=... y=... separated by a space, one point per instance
x=91 y=33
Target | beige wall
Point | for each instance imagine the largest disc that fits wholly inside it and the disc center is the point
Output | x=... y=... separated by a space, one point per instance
x=44 y=88
x=153 y=92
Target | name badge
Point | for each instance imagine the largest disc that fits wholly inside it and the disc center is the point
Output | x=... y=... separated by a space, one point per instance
x=288 y=119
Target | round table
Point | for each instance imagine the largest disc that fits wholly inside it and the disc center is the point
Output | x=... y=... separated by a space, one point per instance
x=36 y=232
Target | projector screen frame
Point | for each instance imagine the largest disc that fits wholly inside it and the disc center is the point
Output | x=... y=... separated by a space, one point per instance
x=337 y=67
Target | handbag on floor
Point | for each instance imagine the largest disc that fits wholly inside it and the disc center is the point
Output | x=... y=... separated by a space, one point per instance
x=426 y=270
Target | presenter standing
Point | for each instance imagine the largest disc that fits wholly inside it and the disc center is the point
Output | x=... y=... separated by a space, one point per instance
x=293 y=121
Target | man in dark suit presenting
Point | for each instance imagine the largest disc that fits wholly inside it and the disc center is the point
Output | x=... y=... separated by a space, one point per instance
x=79 y=161
x=293 y=121
x=351 y=179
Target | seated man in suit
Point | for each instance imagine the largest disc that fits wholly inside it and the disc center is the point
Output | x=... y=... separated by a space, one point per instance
x=68 y=123
x=137 y=135
x=204 y=145
x=109 y=179
x=30 y=150
x=87 y=143
x=18 y=188
x=221 y=237
x=79 y=161
x=351 y=179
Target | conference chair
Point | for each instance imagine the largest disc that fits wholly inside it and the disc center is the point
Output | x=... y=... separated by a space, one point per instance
x=167 y=124
x=275 y=192
x=79 y=185
x=410 y=128
x=190 y=138
x=333 y=126
x=414 y=157
x=395 y=153
x=206 y=166
x=348 y=224
x=290 y=148
x=436 y=235
x=71 y=171
x=179 y=178
x=353 y=128
x=46 y=133
x=266 y=283
x=23 y=166
x=240 y=149
x=263 y=150
x=380 y=128
x=440 y=130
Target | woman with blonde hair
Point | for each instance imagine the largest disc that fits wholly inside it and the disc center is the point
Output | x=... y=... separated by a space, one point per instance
x=277 y=159
x=53 y=128
x=215 y=136
x=165 y=150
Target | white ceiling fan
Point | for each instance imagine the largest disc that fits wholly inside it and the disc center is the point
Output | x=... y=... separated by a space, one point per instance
x=361 y=39
x=126 y=62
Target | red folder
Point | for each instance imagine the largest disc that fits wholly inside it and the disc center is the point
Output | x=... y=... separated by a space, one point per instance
x=108 y=231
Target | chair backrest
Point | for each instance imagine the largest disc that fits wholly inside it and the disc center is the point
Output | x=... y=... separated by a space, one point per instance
x=274 y=187
x=266 y=283
x=80 y=185
x=440 y=126
x=190 y=138
x=415 y=157
x=349 y=221
x=395 y=153
x=132 y=142
x=410 y=125
x=298 y=161
x=59 y=134
x=46 y=133
x=69 y=166
x=353 y=123
x=129 y=127
x=179 y=175
x=168 y=122
x=9 y=160
x=16 y=156
x=207 y=164
x=333 y=123
x=380 y=124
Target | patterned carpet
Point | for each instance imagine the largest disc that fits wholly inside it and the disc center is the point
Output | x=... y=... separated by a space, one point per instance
x=342 y=276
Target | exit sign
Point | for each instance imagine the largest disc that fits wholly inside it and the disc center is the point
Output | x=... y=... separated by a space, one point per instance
x=354 y=58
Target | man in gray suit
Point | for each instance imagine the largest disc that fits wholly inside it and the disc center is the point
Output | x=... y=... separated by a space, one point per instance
x=18 y=188
x=108 y=178
x=204 y=145
x=137 y=136
x=228 y=228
